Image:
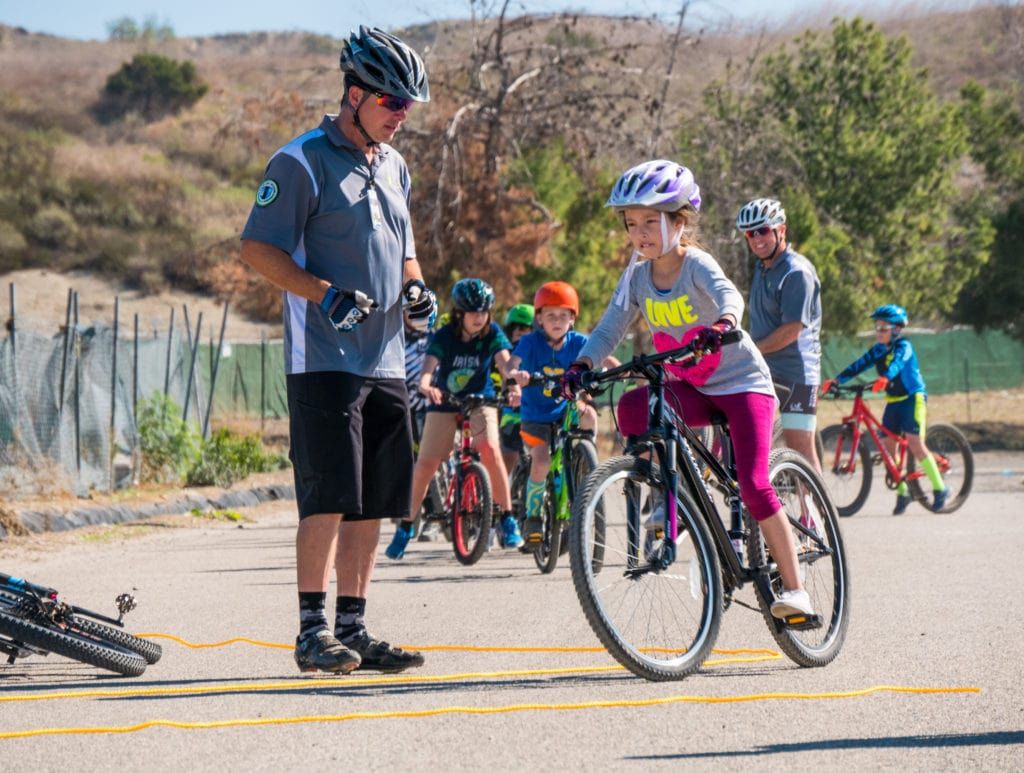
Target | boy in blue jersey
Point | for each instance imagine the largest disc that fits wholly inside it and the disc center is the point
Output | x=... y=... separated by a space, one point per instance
x=550 y=349
x=906 y=398
x=458 y=361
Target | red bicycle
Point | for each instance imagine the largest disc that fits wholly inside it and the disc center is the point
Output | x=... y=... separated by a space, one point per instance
x=464 y=488
x=848 y=461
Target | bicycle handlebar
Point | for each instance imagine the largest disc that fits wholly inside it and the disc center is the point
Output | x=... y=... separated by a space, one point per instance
x=839 y=390
x=640 y=366
x=470 y=401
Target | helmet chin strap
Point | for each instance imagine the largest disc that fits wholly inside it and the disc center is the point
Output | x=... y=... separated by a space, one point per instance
x=775 y=250
x=359 y=124
x=669 y=242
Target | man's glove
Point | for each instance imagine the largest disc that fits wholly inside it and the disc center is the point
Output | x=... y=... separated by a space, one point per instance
x=827 y=386
x=347 y=309
x=880 y=383
x=420 y=305
x=709 y=339
x=572 y=380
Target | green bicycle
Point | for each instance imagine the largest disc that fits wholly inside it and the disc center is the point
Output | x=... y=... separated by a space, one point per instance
x=571 y=449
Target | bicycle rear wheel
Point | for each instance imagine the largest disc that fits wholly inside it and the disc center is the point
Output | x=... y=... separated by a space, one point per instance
x=660 y=623
x=822 y=561
x=953 y=455
x=471 y=519
x=847 y=475
x=72 y=645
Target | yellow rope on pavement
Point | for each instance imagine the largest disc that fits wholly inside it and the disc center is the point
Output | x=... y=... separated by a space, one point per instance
x=316 y=683
x=519 y=707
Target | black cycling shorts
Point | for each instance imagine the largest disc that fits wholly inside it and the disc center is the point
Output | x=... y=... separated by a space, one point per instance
x=351 y=445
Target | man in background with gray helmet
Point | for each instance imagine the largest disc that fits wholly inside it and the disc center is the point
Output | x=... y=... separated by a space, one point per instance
x=785 y=320
x=331 y=227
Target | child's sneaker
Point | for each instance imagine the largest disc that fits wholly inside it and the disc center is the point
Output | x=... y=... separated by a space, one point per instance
x=792 y=602
x=940 y=500
x=399 y=542
x=902 y=503
x=533 y=533
x=510 y=536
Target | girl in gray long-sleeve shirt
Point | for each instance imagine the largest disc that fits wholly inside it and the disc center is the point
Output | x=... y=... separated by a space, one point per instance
x=682 y=293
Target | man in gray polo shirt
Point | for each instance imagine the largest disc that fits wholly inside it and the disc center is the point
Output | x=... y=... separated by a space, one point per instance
x=785 y=320
x=331 y=227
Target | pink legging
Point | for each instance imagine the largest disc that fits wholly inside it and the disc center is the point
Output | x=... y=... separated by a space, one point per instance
x=750 y=416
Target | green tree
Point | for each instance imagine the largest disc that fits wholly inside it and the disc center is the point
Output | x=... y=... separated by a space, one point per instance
x=846 y=125
x=995 y=297
x=123 y=28
x=587 y=241
x=152 y=86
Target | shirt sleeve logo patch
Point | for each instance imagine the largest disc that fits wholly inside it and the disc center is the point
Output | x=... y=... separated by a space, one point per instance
x=266 y=193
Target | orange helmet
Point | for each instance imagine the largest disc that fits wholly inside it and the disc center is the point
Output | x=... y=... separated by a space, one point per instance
x=559 y=294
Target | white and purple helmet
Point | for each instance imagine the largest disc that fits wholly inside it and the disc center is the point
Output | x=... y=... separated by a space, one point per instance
x=662 y=185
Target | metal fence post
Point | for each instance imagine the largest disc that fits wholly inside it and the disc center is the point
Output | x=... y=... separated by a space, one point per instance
x=967 y=384
x=13 y=327
x=113 y=390
x=76 y=348
x=263 y=382
x=192 y=366
x=64 y=351
x=135 y=372
x=167 y=368
x=213 y=372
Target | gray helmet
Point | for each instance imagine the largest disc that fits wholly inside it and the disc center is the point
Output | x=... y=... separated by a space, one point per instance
x=760 y=212
x=386 y=64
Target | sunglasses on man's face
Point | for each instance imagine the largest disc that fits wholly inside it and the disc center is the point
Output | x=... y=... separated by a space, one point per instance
x=762 y=231
x=883 y=328
x=392 y=103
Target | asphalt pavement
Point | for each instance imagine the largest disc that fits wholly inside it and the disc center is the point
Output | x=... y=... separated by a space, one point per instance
x=936 y=603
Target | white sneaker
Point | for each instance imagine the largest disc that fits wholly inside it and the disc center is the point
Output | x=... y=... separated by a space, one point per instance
x=792 y=602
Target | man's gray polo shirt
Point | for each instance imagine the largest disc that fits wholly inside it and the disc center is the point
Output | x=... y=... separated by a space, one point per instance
x=789 y=292
x=315 y=204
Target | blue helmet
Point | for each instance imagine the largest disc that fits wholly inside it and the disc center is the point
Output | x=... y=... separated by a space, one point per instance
x=472 y=295
x=891 y=313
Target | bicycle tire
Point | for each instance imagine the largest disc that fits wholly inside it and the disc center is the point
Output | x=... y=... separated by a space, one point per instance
x=584 y=461
x=93 y=652
x=849 y=489
x=471 y=519
x=517 y=487
x=948 y=442
x=655 y=655
x=150 y=650
x=826 y=574
x=546 y=553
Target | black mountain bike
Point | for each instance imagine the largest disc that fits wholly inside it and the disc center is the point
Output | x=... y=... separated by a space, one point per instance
x=656 y=599
x=35 y=621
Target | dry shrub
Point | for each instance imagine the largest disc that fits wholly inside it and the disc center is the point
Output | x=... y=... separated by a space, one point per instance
x=248 y=291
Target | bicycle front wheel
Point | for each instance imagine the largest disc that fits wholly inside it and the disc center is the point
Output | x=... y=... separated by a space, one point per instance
x=547 y=552
x=471 y=519
x=955 y=459
x=584 y=462
x=847 y=475
x=656 y=617
x=72 y=645
x=822 y=561
x=149 y=650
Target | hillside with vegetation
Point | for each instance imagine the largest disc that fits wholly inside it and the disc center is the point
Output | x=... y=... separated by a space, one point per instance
x=897 y=146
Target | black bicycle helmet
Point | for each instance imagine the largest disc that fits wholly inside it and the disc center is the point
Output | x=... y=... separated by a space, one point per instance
x=472 y=295
x=384 y=63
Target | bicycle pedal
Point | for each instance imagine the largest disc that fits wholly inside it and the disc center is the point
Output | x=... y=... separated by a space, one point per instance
x=802 y=622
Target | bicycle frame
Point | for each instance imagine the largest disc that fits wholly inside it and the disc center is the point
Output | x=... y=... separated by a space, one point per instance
x=674 y=443
x=861 y=415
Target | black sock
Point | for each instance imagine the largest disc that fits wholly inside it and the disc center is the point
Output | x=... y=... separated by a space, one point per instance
x=349 y=618
x=312 y=617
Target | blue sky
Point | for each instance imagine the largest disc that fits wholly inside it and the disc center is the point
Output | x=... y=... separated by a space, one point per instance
x=88 y=20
